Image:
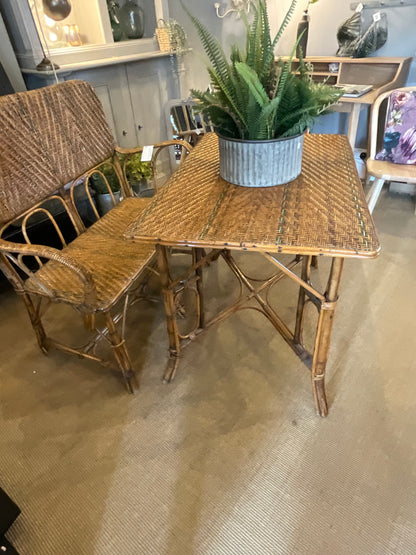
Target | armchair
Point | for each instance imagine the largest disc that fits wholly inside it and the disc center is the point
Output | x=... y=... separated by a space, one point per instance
x=401 y=120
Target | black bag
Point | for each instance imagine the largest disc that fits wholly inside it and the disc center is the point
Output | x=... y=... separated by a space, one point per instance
x=9 y=511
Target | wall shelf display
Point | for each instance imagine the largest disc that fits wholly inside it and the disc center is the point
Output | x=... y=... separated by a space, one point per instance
x=86 y=34
x=380 y=4
x=133 y=79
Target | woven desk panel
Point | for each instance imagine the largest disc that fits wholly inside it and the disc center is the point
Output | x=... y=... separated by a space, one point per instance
x=322 y=212
x=64 y=133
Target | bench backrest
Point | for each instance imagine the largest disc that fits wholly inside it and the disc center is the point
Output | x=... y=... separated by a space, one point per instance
x=48 y=137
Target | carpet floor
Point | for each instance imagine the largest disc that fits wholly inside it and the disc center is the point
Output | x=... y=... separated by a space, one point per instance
x=230 y=458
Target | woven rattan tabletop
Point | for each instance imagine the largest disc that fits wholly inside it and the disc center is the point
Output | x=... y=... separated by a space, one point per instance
x=322 y=212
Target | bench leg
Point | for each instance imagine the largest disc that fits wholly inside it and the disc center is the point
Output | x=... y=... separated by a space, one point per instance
x=170 y=311
x=37 y=325
x=121 y=355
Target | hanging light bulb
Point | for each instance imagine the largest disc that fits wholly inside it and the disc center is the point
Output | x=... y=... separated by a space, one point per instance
x=56 y=9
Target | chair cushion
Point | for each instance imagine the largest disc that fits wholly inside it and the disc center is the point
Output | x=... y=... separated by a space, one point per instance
x=399 y=141
x=114 y=262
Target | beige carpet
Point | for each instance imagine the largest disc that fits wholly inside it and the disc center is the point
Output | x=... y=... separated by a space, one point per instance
x=230 y=458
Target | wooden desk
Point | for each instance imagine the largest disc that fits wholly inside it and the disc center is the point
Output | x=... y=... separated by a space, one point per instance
x=323 y=212
x=383 y=73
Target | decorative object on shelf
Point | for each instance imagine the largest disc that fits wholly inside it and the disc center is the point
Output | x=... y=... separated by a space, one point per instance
x=56 y=9
x=72 y=35
x=171 y=36
x=374 y=38
x=238 y=7
x=113 y=8
x=54 y=32
x=131 y=17
x=354 y=42
x=255 y=99
x=347 y=35
x=303 y=31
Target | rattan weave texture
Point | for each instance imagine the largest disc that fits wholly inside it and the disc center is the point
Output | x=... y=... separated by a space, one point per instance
x=322 y=212
x=65 y=133
x=101 y=250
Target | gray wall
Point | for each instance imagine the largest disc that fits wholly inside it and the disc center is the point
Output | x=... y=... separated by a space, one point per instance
x=326 y=16
x=10 y=76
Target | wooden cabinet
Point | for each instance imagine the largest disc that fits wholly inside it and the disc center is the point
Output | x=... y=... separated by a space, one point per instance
x=133 y=78
x=133 y=94
x=32 y=31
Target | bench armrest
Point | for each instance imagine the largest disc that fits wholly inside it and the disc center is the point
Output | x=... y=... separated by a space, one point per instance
x=7 y=248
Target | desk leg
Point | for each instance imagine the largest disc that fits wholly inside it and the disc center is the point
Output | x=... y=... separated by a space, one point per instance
x=323 y=337
x=169 y=302
x=353 y=123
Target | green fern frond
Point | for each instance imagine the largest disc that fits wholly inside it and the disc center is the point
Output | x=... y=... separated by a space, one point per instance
x=253 y=82
x=254 y=97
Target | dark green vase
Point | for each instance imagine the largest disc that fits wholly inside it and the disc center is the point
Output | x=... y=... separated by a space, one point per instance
x=113 y=10
x=131 y=17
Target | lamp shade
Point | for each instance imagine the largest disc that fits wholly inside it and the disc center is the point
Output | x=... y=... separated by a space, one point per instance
x=56 y=9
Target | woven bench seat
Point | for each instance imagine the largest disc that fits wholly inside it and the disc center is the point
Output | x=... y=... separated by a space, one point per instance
x=113 y=262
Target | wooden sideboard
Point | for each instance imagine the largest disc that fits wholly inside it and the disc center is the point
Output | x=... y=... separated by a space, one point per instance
x=383 y=74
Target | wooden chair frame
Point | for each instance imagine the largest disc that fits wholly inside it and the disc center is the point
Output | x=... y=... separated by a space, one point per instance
x=380 y=170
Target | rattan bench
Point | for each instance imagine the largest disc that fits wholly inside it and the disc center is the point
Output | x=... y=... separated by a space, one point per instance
x=52 y=141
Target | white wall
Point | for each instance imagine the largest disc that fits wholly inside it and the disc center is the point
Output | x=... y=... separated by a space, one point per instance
x=228 y=30
x=327 y=15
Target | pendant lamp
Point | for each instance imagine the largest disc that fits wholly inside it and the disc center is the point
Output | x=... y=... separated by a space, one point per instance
x=56 y=9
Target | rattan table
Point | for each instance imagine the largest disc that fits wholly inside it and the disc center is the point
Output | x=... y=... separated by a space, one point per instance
x=322 y=213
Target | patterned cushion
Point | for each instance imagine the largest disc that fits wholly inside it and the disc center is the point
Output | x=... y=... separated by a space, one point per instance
x=399 y=142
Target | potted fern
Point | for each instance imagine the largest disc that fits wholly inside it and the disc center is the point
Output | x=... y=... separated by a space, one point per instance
x=260 y=109
x=139 y=174
x=106 y=186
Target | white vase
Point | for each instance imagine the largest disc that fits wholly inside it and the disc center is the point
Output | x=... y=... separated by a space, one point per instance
x=261 y=163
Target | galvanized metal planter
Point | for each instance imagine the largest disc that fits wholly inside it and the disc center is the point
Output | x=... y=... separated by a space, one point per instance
x=260 y=163
x=105 y=202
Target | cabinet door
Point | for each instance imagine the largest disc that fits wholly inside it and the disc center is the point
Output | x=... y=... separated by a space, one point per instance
x=148 y=89
x=111 y=86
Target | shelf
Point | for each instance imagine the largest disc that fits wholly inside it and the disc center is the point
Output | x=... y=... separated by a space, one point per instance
x=78 y=66
x=379 y=5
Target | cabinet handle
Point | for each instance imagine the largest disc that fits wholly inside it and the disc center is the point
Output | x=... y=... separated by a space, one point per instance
x=139 y=127
x=124 y=132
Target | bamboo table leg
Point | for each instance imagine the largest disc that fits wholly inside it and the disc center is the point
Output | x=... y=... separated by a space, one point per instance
x=323 y=337
x=198 y=255
x=305 y=275
x=169 y=302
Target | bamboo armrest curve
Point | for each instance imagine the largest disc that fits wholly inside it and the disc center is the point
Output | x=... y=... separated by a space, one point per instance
x=42 y=251
x=163 y=144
